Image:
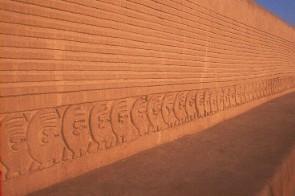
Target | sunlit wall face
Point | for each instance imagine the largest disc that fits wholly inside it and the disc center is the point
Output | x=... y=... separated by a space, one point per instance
x=285 y=9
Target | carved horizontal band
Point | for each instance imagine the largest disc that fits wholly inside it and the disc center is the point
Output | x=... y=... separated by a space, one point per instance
x=37 y=140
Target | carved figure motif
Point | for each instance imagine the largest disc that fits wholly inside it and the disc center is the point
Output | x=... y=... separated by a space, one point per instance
x=238 y=94
x=85 y=128
x=45 y=140
x=139 y=116
x=247 y=93
x=259 y=89
x=213 y=101
x=154 y=110
x=190 y=105
x=243 y=93
x=4 y=172
x=100 y=125
x=168 y=110
x=270 y=87
x=264 y=88
x=121 y=121
x=14 y=149
x=226 y=91
x=207 y=97
x=255 y=90
x=232 y=91
x=200 y=103
x=253 y=93
x=76 y=129
x=180 y=107
x=220 y=99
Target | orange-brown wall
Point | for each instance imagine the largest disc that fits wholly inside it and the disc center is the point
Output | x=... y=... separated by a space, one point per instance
x=86 y=83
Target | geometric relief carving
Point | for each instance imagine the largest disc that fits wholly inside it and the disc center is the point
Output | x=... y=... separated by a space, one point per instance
x=45 y=140
x=200 y=103
x=168 y=110
x=76 y=129
x=121 y=121
x=190 y=105
x=180 y=107
x=15 y=156
x=139 y=116
x=101 y=126
x=154 y=111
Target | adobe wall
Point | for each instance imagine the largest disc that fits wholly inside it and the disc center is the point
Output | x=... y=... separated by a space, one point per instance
x=86 y=83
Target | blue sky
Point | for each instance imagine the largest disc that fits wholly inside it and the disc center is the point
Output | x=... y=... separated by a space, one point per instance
x=285 y=9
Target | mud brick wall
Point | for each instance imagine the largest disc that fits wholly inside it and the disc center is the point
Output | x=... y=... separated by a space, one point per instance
x=87 y=82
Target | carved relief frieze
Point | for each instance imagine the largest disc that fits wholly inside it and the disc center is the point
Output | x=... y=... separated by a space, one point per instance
x=36 y=140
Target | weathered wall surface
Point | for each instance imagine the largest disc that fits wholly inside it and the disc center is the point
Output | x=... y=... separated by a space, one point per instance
x=85 y=83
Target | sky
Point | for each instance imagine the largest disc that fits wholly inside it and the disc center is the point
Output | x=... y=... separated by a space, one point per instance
x=285 y=9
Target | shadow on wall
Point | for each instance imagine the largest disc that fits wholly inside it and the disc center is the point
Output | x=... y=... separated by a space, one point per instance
x=235 y=157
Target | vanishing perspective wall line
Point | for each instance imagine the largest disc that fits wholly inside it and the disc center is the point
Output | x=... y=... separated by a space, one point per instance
x=79 y=78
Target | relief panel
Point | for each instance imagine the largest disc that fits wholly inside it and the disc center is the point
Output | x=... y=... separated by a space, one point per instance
x=15 y=156
x=154 y=110
x=207 y=103
x=101 y=126
x=180 y=107
x=76 y=130
x=37 y=140
x=238 y=94
x=190 y=105
x=200 y=103
x=220 y=99
x=247 y=93
x=226 y=91
x=139 y=116
x=45 y=139
x=232 y=91
x=121 y=120
x=213 y=101
x=168 y=109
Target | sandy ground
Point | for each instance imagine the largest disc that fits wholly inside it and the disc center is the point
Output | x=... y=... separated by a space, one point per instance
x=236 y=157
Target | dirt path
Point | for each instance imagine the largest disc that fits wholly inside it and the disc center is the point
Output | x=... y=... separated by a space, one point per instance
x=234 y=158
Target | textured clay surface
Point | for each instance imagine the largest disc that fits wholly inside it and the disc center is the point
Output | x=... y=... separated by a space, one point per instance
x=84 y=84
